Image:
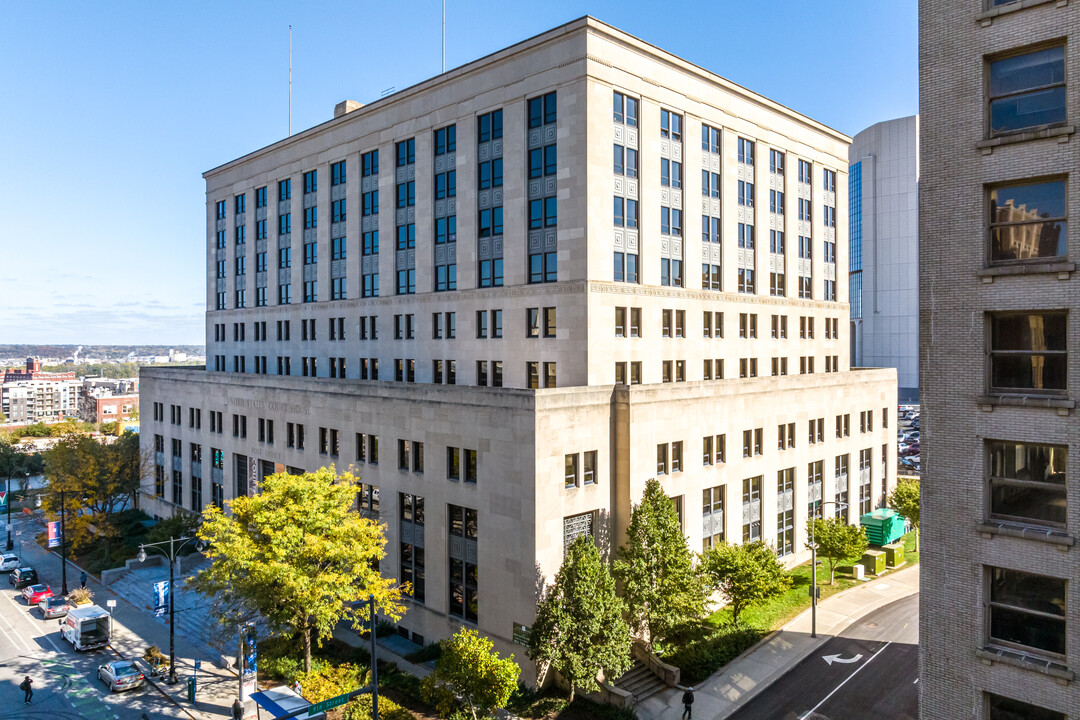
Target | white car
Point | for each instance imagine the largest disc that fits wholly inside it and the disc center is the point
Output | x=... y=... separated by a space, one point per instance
x=8 y=562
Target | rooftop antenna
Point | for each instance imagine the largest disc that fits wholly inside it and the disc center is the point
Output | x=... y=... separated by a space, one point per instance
x=444 y=35
x=290 y=80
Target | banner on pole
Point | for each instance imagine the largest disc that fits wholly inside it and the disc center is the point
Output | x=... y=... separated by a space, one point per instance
x=3 y=498
x=249 y=659
x=54 y=534
x=161 y=598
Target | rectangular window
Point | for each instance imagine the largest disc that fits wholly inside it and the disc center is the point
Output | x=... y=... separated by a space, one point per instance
x=746 y=151
x=337 y=173
x=712 y=511
x=1003 y=708
x=411 y=519
x=670 y=125
x=571 y=476
x=463 y=583
x=1028 y=352
x=1026 y=611
x=1027 y=91
x=1027 y=483
x=662 y=459
x=751 y=509
x=1027 y=221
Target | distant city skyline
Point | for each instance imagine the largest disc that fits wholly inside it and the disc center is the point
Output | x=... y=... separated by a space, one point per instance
x=115 y=111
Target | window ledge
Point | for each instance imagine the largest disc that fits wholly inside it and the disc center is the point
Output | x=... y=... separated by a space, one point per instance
x=988 y=402
x=1027 y=532
x=987 y=17
x=1062 y=132
x=1062 y=268
x=991 y=654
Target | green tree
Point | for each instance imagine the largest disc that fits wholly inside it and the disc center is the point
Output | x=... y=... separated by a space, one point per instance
x=298 y=554
x=836 y=541
x=469 y=672
x=655 y=567
x=904 y=499
x=579 y=628
x=95 y=481
x=13 y=464
x=745 y=574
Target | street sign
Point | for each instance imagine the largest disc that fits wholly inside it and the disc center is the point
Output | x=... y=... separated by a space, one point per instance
x=54 y=534
x=521 y=634
x=327 y=704
x=112 y=604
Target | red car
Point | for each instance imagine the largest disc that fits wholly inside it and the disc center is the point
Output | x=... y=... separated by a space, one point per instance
x=33 y=594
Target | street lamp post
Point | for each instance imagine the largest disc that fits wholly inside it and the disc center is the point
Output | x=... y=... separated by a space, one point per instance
x=175 y=545
x=7 y=499
x=63 y=544
x=813 y=564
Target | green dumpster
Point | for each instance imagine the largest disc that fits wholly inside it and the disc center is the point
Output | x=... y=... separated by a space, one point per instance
x=882 y=526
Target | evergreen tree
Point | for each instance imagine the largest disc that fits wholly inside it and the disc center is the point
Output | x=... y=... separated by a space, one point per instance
x=661 y=587
x=579 y=628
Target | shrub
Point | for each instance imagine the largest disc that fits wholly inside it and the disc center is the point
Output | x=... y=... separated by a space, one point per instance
x=80 y=595
x=360 y=709
x=327 y=681
x=431 y=651
x=701 y=655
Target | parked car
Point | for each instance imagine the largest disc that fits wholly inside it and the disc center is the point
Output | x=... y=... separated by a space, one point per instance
x=912 y=449
x=33 y=594
x=53 y=607
x=23 y=576
x=121 y=675
x=8 y=562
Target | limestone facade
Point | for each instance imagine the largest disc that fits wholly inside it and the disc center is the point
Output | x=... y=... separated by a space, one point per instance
x=599 y=367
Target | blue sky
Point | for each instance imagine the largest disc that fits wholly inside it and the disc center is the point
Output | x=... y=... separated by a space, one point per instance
x=111 y=112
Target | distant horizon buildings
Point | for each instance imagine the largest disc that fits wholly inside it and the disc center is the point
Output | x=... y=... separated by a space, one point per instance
x=30 y=395
x=883 y=185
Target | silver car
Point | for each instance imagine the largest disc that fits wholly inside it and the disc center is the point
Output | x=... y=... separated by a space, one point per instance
x=53 y=607
x=8 y=562
x=121 y=675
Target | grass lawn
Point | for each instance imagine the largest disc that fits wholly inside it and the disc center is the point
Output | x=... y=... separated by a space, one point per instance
x=702 y=650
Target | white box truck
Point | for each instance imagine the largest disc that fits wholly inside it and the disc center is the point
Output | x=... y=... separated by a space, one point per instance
x=86 y=627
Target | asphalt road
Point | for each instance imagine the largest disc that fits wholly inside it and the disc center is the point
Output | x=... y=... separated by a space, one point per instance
x=873 y=673
x=65 y=682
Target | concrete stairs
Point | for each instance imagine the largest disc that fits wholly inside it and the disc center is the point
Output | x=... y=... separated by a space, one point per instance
x=640 y=682
x=192 y=614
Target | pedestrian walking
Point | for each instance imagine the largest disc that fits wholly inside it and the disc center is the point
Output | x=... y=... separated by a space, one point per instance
x=27 y=686
x=82 y=578
x=237 y=709
x=688 y=704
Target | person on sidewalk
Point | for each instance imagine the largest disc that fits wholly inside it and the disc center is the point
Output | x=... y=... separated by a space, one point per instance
x=237 y=709
x=688 y=704
x=297 y=689
x=27 y=686
x=82 y=578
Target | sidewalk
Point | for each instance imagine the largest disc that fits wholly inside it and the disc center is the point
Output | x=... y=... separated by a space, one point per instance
x=755 y=670
x=134 y=629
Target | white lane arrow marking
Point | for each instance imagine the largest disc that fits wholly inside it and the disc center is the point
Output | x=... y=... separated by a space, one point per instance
x=836 y=658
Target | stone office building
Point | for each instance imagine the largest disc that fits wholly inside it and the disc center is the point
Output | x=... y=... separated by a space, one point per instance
x=1000 y=603
x=477 y=292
